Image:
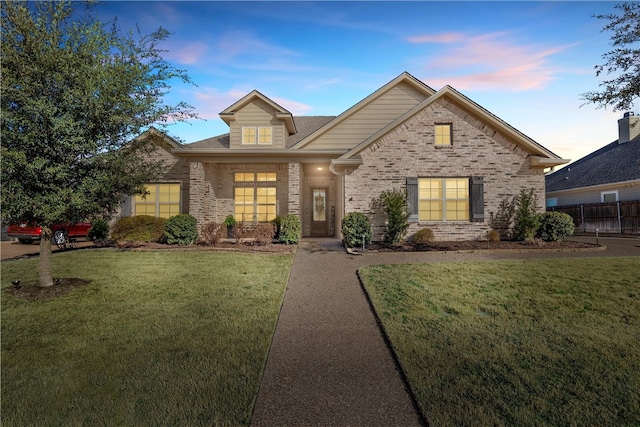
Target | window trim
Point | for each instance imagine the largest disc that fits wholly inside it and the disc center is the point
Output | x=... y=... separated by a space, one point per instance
x=476 y=199
x=443 y=199
x=269 y=182
x=256 y=135
x=157 y=201
x=436 y=134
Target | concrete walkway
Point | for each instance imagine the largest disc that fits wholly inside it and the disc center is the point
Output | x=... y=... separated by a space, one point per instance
x=329 y=364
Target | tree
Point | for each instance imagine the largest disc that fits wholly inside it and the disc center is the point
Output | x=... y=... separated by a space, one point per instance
x=623 y=61
x=75 y=92
x=394 y=203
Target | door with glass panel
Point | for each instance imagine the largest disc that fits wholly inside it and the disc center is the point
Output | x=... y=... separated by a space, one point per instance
x=319 y=212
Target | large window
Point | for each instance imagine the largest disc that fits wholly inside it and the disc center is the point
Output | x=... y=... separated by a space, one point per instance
x=443 y=134
x=443 y=199
x=259 y=135
x=162 y=201
x=254 y=196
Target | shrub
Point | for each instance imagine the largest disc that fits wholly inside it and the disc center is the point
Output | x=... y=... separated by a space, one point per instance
x=290 y=229
x=502 y=220
x=99 y=232
x=211 y=233
x=264 y=233
x=555 y=226
x=527 y=219
x=354 y=226
x=394 y=203
x=142 y=228
x=493 y=235
x=181 y=229
x=277 y=221
x=423 y=236
x=239 y=231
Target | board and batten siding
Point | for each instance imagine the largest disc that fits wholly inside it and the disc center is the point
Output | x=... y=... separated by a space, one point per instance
x=369 y=119
x=257 y=114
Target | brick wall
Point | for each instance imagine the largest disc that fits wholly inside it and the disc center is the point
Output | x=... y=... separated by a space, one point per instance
x=409 y=151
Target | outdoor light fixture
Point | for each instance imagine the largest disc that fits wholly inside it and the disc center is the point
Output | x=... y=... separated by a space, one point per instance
x=16 y=283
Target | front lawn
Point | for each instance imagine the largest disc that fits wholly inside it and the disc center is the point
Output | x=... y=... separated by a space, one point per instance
x=156 y=338
x=531 y=342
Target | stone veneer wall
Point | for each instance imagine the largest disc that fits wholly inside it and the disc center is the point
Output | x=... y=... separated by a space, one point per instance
x=294 y=192
x=213 y=183
x=409 y=151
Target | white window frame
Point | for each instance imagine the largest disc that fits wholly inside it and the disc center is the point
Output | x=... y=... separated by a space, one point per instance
x=435 y=135
x=156 y=195
x=603 y=193
x=256 y=135
x=270 y=135
x=444 y=199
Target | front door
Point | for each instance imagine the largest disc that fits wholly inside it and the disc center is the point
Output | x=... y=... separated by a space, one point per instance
x=319 y=216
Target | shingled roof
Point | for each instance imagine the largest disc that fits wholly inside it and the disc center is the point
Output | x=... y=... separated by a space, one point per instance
x=612 y=163
x=305 y=126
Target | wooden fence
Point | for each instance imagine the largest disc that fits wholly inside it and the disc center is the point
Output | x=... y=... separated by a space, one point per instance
x=613 y=217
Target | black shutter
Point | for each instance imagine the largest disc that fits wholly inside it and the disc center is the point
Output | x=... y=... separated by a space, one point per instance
x=477 y=198
x=412 y=198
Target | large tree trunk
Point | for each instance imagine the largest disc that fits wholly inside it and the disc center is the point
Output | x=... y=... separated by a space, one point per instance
x=44 y=263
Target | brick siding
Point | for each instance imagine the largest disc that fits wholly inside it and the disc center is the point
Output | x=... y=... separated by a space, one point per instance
x=409 y=151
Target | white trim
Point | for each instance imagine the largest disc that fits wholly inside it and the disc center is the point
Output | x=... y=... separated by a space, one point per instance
x=603 y=193
x=270 y=135
x=255 y=135
x=619 y=184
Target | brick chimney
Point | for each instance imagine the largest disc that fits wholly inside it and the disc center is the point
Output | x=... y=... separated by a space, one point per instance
x=628 y=127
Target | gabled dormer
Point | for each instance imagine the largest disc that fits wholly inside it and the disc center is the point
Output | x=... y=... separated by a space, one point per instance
x=257 y=122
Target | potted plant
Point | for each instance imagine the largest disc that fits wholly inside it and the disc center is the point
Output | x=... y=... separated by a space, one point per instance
x=230 y=221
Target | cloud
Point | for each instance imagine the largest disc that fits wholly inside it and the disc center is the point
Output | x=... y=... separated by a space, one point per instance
x=186 y=53
x=494 y=61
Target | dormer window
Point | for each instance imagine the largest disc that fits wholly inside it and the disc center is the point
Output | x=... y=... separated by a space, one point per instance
x=257 y=135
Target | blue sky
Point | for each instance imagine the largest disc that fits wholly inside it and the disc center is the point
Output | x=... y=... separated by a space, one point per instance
x=526 y=62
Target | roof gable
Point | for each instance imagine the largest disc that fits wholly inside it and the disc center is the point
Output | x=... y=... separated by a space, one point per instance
x=408 y=87
x=229 y=114
x=159 y=138
x=541 y=156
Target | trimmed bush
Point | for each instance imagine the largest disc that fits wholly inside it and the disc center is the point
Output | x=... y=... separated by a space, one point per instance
x=142 y=228
x=555 y=226
x=264 y=232
x=423 y=236
x=181 y=230
x=527 y=219
x=99 y=232
x=211 y=233
x=394 y=203
x=354 y=226
x=290 y=229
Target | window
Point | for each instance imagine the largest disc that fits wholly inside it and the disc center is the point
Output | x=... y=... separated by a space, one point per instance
x=443 y=134
x=264 y=135
x=260 y=135
x=162 y=201
x=254 y=197
x=609 y=196
x=443 y=199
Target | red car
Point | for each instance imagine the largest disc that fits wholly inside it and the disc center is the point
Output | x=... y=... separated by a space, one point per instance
x=63 y=234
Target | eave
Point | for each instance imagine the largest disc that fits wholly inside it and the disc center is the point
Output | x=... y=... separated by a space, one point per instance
x=546 y=162
x=224 y=155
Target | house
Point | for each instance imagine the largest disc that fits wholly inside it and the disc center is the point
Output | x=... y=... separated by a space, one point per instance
x=456 y=160
x=610 y=174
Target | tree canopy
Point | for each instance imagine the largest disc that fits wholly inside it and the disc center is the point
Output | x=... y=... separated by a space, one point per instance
x=622 y=63
x=75 y=93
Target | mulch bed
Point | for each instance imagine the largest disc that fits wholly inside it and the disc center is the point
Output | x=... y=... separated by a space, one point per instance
x=476 y=245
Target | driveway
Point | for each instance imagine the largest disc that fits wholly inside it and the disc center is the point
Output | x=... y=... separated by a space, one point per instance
x=16 y=249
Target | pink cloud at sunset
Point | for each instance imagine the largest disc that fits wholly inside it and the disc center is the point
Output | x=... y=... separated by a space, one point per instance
x=187 y=53
x=490 y=62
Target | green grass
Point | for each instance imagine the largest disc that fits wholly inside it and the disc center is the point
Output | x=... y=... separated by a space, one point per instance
x=534 y=342
x=157 y=338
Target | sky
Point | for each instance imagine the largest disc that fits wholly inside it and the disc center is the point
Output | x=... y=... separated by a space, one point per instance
x=526 y=62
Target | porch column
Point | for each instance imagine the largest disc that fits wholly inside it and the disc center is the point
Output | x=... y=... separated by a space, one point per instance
x=198 y=197
x=293 y=206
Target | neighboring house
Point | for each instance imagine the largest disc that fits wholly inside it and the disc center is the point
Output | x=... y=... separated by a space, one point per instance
x=610 y=174
x=456 y=160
